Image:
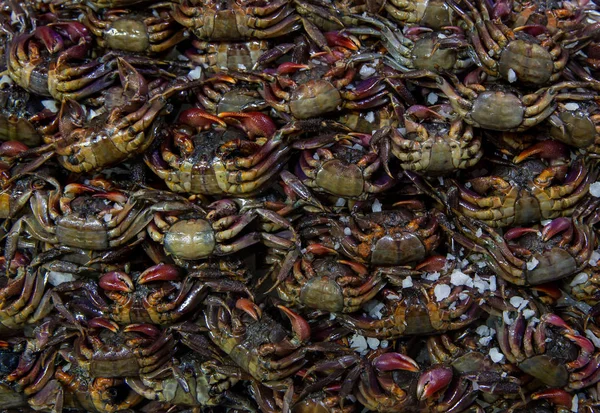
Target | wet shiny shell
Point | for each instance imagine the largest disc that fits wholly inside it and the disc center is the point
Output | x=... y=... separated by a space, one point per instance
x=190 y=239
x=441 y=59
x=322 y=293
x=579 y=130
x=339 y=178
x=129 y=35
x=496 y=110
x=314 y=98
x=82 y=232
x=530 y=62
x=401 y=249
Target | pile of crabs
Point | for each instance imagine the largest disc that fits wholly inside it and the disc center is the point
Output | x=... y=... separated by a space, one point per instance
x=300 y=206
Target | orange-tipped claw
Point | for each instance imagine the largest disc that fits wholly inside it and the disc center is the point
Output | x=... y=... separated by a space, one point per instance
x=356 y=267
x=413 y=204
x=342 y=40
x=254 y=123
x=146 y=329
x=116 y=281
x=550 y=289
x=199 y=118
x=100 y=322
x=432 y=264
x=557 y=226
x=518 y=232
x=432 y=381
x=299 y=324
x=320 y=249
x=582 y=342
x=249 y=307
x=545 y=150
x=113 y=197
x=395 y=361
x=290 y=67
x=160 y=272
x=554 y=396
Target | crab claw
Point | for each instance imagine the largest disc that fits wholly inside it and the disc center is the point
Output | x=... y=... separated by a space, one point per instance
x=557 y=226
x=253 y=123
x=198 y=118
x=99 y=322
x=299 y=324
x=432 y=264
x=290 y=67
x=160 y=272
x=12 y=148
x=146 y=329
x=395 y=361
x=51 y=39
x=320 y=249
x=432 y=381
x=554 y=396
x=355 y=266
x=249 y=307
x=544 y=150
x=342 y=39
x=423 y=112
x=518 y=233
x=112 y=196
x=116 y=281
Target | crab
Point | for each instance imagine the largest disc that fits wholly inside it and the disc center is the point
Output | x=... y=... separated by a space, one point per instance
x=235 y=20
x=418 y=309
x=528 y=256
x=342 y=165
x=432 y=13
x=552 y=187
x=401 y=236
x=567 y=359
x=149 y=31
x=322 y=281
x=520 y=55
x=432 y=141
x=577 y=123
x=497 y=106
x=220 y=160
x=30 y=56
x=231 y=92
x=85 y=217
x=227 y=56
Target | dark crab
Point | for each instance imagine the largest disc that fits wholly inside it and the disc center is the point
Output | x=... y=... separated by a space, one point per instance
x=149 y=31
x=431 y=140
x=528 y=190
x=227 y=56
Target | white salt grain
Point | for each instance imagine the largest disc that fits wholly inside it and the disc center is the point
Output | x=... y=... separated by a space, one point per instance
x=575 y=404
x=579 y=279
x=571 y=106
x=432 y=98
x=528 y=314
x=512 y=76
x=358 y=343
x=373 y=343
x=441 y=291
x=479 y=233
x=50 y=105
x=340 y=202
x=5 y=79
x=407 y=282
x=532 y=263
x=460 y=278
x=376 y=206
x=56 y=278
x=347 y=231
x=595 y=189
x=195 y=73
x=366 y=71
x=518 y=302
x=370 y=117
x=496 y=355
x=594 y=258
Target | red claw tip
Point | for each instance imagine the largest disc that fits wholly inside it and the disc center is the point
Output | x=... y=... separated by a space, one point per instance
x=555 y=396
x=395 y=361
x=557 y=226
x=160 y=272
x=518 y=232
x=116 y=281
x=100 y=322
x=147 y=329
x=432 y=381
x=545 y=150
x=249 y=307
x=299 y=324
x=432 y=264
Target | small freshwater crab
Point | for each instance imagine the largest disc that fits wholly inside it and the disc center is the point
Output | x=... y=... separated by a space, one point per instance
x=227 y=56
x=194 y=234
x=403 y=235
x=550 y=350
x=431 y=141
x=123 y=128
x=530 y=256
x=30 y=57
x=517 y=55
x=427 y=13
x=577 y=123
x=545 y=188
x=419 y=307
x=236 y=20
x=497 y=106
x=342 y=165
x=221 y=159
x=151 y=31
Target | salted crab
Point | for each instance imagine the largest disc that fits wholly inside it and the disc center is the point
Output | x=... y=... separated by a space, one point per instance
x=192 y=234
x=197 y=157
x=416 y=47
x=30 y=55
x=419 y=307
x=320 y=280
x=149 y=31
x=343 y=165
x=427 y=13
x=121 y=130
x=404 y=235
x=537 y=189
x=231 y=91
x=85 y=217
x=577 y=123
x=516 y=55
x=432 y=141
x=530 y=256
x=550 y=350
x=227 y=56
x=584 y=286
x=236 y=20
x=496 y=106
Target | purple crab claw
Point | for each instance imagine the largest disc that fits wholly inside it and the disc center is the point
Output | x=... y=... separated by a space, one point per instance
x=299 y=324
x=116 y=281
x=544 y=150
x=395 y=361
x=554 y=396
x=249 y=308
x=514 y=233
x=146 y=329
x=432 y=381
x=100 y=322
x=557 y=226
x=160 y=272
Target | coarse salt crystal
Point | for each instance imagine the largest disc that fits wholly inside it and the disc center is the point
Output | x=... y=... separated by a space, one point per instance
x=376 y=206
x=506 y=317
x=432 y=98
x=195 y=73
x=460 y=278
x=366 y=71
x=347 y=231
x=594 y=258
x=512 y=76
x=479 y=233
x=492 y=281
x=485 y=341
x=340 y=202
x=241 y=66
x=450 y=257
x=579 y=279
x=56 y=278
x=575 y=404
x=50 y=105
x=401 y=131
x=496 y=355
x=373 y=308
x=431 y=276
x=518 y=302
x=407 y=282
x=182 y=58
x=384 y=344
x=546 y=222
x=593 y=338
x=370 y=117
x=483 y=330
x=528 y=314
x=571 y=106
x=595 y=189
x=107 y=217
x=5 y=79
x=316 y=156
x=373 y=343
x=441 y=291
x=463 y=296
x=358 y=343
x=532 y=263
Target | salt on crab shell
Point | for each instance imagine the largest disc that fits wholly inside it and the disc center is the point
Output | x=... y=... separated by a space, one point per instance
x=442 y=291
x=376 y=207
x=366 y=71
x=594 y=258
x=579 y=279
x=496 y=355
x=370 y=117
x=407 y=282
x=359 y=343
x=595 y=189
x=571 y=106
x=56 y=278
x=373 y=343
x=50 y=105
x=518 y=302
x=512 y=76
x=531 y=264
x=5 y=79
x=195 y=73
